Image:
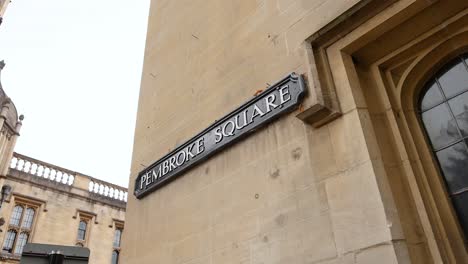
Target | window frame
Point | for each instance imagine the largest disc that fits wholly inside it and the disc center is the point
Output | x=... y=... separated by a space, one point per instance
x=86 y=217
x=447 y=65
x=18 y=239
x=117 y=252
x=12 y=241
x=118 y=226
x=19 y=229
x=78 y=237
x=114 y=244
x=437 y=218
x=384 y=82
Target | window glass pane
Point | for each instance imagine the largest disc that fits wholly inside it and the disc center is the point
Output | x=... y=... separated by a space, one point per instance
x=115 y=257
x=460 y=202
x=432 y=97
x=16 y=215
x=9 y=240
x=82 y=230
x=81 y=235
x=440 y=126
x=22 y=239
x=455 y=80
x=454 y=163
x=82 y=225
x=459 y=106
x=28 y=218
x=117 y=235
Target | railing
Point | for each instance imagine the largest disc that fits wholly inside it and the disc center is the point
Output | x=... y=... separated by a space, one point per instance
x=67 y=177
x=108 y=190
x=42 y=169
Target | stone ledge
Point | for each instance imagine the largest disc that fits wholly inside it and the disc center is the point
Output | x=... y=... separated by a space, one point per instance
x=63 y=188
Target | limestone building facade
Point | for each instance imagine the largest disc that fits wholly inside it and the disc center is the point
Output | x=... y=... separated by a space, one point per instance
x=52 y=205
x=369 y=168
x=45 y=203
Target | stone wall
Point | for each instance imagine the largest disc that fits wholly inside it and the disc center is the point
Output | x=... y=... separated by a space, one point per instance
x=62 y=197
x=329 y=183
x=287 y=194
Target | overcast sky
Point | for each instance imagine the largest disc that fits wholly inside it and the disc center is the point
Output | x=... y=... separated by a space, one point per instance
x=73 y=68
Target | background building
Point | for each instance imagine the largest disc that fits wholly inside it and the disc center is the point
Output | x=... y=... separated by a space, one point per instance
x=371 y=168
x=3 y=7
x=10 y=125
x=44 y=203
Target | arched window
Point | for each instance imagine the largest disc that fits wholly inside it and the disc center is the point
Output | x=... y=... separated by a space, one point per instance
x=20 y=227
x=82 y=230
x=9 y=240
x=444 y=114
x=117 y=237
x=22 y=240
x=16 y=215
x=28 y=218
x=84 y=227
x=115 y=257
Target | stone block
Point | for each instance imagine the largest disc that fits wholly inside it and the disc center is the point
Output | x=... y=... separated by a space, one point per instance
x=237 y=253
x=384 y=254
x=349 y=144
x=318 y=238
x=192 y=247
x=346 y=259
x=315 y=19
x=322 y=156
x=235 y=230
x=356 y=209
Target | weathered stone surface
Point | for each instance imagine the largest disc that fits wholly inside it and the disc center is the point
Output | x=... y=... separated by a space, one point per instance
x=288 y=193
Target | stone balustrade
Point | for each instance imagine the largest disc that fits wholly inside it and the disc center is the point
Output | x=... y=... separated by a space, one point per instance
x=108 y=190
x=44 y=170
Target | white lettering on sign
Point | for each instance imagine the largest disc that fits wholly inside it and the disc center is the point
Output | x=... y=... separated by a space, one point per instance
x=280 y=98
x=173 y=162
x=246 y=117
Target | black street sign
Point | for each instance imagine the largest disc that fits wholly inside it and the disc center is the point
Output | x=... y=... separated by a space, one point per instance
x=282 y=97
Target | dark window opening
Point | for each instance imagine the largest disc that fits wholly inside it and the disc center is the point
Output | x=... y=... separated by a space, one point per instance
x=115 y=257
x=9 y=241
x=444 y=114
x=82 y=230
x=117 y=237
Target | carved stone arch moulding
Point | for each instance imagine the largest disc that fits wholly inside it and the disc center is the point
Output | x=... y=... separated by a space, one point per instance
x=427 y=64
x=376 y=58
x=399 y=77
x=430 y=182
